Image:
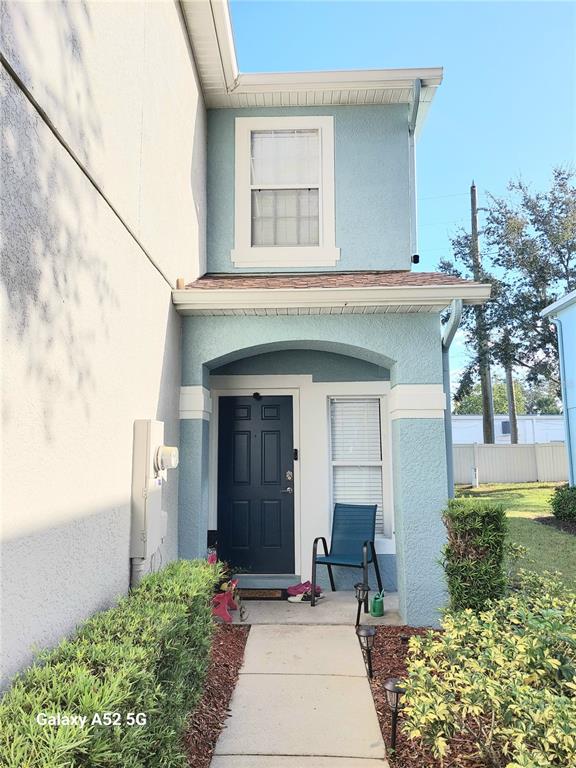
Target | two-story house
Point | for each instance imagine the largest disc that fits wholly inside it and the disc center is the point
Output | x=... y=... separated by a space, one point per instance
x=304 y=364
x=314 y=364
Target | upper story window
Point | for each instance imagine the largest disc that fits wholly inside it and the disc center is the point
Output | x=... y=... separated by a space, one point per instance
x=284 y=201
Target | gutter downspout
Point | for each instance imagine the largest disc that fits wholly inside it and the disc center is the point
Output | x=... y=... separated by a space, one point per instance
x=569 y=446
x=447 y=336
x=412 y=164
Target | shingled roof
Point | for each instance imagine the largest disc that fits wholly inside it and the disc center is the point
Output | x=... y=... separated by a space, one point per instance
x=370 y=279
x=325 y=292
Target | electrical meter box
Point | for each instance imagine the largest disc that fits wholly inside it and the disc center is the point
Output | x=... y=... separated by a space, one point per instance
x=150 y=461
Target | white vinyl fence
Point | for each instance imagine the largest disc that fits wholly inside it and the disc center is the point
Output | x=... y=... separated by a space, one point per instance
x=528 y=463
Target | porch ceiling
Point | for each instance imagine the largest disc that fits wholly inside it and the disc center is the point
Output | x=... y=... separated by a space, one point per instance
x=333 y=293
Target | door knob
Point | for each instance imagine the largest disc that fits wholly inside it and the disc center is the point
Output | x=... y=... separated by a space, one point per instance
x=287 y=490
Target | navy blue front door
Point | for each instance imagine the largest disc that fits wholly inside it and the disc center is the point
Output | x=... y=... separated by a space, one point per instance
x=255 y=483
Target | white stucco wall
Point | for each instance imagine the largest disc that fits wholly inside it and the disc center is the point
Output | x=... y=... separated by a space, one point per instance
x=90 y=340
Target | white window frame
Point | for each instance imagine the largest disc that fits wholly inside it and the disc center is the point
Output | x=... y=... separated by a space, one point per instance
x=387 y=527
x=244 y=254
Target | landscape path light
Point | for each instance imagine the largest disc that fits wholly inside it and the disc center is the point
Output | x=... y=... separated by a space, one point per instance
x=362 y=590
x=366 y=635
x=394 y=693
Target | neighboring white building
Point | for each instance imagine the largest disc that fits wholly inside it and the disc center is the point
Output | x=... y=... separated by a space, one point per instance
x=531 y=429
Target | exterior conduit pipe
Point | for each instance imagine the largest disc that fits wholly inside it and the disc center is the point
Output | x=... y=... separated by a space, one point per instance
x=569 y=445
x=447 y=336
x=139 y=567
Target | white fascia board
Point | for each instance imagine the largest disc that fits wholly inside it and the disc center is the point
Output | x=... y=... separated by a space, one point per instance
x=563 y=303
x=277 y=298
x=353 y=79
x=225 y=65
x=225 y=37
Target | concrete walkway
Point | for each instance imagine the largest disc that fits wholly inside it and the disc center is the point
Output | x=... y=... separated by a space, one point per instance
x=334 y=608
x=302 y=701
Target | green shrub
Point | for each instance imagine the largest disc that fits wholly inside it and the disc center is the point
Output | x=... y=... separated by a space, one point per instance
x=149 y=655
x=504 y=680
x=563 y=502
x=473 y=558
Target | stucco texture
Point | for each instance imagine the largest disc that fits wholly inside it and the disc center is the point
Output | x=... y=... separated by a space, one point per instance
x=371 y=175
x=567 y=318
x=419 y=476
x=322 y=366
x=409 y=346
x=91 y=340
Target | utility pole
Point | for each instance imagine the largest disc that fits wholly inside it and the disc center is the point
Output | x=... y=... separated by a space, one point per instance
x=511 y=396
x=481 y=330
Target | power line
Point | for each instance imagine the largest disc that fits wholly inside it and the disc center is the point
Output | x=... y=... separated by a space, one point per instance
x=441 y=197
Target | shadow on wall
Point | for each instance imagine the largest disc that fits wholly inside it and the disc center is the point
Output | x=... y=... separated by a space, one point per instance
x=168 y=411
x=198 y=183
x=46 y=266
x=35 y=574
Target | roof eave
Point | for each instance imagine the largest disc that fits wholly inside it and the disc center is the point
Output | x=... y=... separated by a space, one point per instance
x=338 y=80
x=439 y=297
x=563 y=303
x=209 y=29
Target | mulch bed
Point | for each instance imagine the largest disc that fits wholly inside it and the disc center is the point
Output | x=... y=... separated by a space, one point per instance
x=208 y=718
x=389 y=660
x=567 y=526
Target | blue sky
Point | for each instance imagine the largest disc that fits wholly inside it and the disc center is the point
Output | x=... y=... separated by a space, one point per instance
x=506 y=107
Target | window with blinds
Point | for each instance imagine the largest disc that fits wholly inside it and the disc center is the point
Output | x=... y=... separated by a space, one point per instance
x=285 y=187
x=356 y=453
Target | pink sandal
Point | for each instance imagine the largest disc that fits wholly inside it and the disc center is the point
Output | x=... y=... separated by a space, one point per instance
x=300 y=589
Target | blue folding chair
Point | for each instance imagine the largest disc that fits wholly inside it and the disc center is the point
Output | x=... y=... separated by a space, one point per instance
x=353 y=530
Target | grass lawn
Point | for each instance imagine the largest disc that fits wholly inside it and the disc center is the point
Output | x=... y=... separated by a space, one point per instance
x=548 y=549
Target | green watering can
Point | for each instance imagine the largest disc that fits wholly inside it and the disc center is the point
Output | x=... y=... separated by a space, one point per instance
x=377 y=606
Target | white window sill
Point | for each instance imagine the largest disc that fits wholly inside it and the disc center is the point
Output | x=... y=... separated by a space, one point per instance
x=315 y=256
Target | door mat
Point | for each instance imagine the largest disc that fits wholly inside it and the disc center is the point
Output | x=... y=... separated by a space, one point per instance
x=263 y=594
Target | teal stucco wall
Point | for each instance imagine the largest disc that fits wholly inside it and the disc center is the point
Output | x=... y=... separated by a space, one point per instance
x=371 y=173
x=409 y=347
x=419 y=476
x=567 y=319
x=322 y=366
x=193 y=488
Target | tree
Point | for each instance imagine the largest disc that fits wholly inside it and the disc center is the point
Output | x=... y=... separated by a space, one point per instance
x=529 y=247
x=532 y=243
x=476 y=324
x=541 y=399
x=472 y=402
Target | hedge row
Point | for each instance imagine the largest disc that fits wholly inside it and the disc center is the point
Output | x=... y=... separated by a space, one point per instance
x=502 y=681
x=144 y=659
x=563 y=503
x=473 y=557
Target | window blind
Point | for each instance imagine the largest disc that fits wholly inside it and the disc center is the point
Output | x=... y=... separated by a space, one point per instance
x=285 y=191
x=285 y=157
x=356 y=453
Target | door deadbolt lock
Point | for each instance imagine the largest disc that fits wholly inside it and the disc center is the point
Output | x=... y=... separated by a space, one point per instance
x=289 y=475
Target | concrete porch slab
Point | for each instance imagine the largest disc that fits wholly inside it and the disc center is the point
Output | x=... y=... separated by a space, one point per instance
x=334 y=608
x=298 y=715
x=308 y=650
x=277 y=761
